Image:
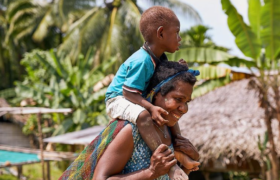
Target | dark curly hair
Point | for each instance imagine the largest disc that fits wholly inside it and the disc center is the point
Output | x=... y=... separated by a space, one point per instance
x=166 y=69
x=154 y=17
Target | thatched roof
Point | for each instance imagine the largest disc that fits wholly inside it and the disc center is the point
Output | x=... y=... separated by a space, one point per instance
x=225 y=123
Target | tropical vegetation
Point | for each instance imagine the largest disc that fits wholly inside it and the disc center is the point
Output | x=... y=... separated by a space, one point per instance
x=260 y=41
x=201 y=53
x=59 y=51
x=72 y=27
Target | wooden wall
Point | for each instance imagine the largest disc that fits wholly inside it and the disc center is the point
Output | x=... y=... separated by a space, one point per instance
x=11 y=135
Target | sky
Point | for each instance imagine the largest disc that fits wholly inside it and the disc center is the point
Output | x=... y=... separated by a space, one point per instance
x=213 y=16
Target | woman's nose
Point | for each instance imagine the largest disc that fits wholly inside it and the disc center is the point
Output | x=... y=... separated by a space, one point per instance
x=183 y=108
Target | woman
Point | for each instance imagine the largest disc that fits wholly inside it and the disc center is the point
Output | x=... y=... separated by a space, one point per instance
x=119 y=152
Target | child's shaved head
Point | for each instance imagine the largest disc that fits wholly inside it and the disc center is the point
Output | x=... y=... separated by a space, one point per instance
x=153 y=18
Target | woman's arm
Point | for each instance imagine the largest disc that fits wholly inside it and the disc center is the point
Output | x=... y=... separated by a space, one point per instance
x=119 y=152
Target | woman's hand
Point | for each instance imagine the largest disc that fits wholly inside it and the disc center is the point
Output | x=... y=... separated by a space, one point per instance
x=184 y=145
x=161 y=161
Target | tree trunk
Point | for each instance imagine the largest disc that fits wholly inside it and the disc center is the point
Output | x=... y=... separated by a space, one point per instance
x=273 y=157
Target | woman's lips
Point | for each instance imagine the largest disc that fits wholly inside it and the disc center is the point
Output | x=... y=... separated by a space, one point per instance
x=176 y=116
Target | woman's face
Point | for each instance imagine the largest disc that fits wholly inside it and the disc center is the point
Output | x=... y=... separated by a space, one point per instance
x=175 y=102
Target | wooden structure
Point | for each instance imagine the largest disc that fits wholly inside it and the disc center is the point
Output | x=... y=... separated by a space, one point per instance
x=39 y=112
x=13 y=135
x=15 y=156
x=82 y=137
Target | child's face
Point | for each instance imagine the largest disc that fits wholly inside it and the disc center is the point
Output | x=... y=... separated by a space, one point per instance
x=171 y=36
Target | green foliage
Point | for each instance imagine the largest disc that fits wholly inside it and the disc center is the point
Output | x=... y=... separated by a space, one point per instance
x=52 y=81
x=201 y=53
x=30 y=126
x=262 y=145
x=7 y=93
x=34 y=172
x=238 y=175
x=74 y=27
x=246 y=39
x=261 y=39
x=210 y=85
x=116 y=32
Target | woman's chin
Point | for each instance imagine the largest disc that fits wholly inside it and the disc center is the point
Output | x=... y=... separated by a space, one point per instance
x=172 y=122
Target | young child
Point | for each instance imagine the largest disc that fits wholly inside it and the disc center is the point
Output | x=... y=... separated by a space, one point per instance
x=160 y=28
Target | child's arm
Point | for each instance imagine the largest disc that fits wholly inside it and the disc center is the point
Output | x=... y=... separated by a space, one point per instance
x=175 y=131
x=155 y=111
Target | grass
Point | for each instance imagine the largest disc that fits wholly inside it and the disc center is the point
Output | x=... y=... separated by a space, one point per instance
x=34 y=172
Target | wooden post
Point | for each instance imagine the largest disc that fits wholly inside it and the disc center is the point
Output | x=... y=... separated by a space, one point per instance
x=39 y=115
x=19 y=171
x=48 y=171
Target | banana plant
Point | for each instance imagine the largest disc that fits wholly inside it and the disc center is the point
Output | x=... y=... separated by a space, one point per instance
x=261 y=36
x=52 y=81
x=260 y=40
x=202 y=54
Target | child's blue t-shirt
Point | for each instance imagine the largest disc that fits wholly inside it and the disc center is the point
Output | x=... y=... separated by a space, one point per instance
x=133 y=75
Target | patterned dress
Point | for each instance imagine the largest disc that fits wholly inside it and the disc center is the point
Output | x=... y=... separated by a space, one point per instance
x=141 y=155
x=83 y=166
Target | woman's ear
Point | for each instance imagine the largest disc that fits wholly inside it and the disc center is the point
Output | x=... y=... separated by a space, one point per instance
x=159 y=32
x=158 y=96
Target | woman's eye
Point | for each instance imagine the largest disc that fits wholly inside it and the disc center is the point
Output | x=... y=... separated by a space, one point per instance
x=178 y=99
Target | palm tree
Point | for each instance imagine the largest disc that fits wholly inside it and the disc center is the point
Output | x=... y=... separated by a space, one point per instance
x=112 y=29
x=9 y=68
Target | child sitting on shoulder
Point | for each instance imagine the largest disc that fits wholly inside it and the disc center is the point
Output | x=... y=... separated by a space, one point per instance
x=160 y=28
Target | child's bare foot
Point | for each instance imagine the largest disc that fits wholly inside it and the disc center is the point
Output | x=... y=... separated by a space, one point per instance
x=186 y=161
x=188 y=171
x=176 y=173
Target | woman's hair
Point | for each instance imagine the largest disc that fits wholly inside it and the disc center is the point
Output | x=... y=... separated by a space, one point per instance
x=166 y=69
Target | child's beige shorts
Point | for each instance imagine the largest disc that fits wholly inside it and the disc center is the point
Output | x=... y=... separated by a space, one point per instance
x=119 y=107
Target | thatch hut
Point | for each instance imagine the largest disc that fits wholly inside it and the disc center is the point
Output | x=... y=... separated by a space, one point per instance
x=11 y=129
x=224 y=125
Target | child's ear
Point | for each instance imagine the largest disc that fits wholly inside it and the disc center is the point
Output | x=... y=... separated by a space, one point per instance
x=159 y=32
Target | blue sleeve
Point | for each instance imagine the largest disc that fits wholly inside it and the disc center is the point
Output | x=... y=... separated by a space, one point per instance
x=137 y=75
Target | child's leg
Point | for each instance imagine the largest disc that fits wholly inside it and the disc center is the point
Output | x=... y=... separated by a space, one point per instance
x=150 y=136
x=147 y=130
x=186 y=161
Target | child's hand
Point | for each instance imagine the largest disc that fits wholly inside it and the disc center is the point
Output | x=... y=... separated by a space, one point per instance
x=156 y=115
x=184 y=145
x=183 y=62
